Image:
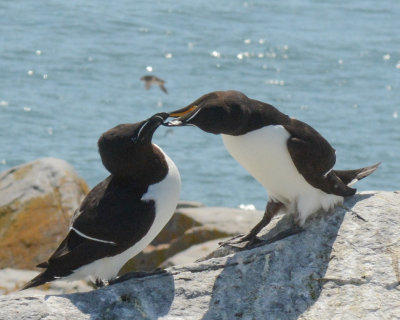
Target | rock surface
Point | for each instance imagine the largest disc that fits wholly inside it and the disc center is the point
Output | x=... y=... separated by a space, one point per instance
x=36 y=203
x=194 y=253
x=192 y=224
x=344 y=265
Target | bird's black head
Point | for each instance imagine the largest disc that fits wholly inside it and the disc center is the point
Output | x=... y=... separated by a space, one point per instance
x=126 y=149
x=216 y=112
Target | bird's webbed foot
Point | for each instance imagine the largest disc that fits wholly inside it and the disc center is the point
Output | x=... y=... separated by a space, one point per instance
x=250 y=241
x=243 y=241
x=284 y=234
x=136 y=275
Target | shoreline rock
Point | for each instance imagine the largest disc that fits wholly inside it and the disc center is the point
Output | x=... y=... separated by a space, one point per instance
x=339 y=267
x=189 y=226
x=37 y=202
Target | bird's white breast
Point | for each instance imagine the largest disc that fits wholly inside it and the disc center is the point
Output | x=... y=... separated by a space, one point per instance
x=264 y=154
x=165 y=194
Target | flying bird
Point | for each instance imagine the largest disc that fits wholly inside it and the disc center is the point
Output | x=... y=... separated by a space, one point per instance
x=150 y=80
x=288 y=157
x=122 y=214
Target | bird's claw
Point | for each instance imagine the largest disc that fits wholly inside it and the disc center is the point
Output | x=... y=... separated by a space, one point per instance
x=98 y=283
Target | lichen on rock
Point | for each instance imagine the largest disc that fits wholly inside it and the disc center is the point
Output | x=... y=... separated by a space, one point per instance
x=37 y=202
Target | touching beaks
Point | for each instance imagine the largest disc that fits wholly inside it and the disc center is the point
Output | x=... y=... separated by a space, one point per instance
x=173 y=123
x=146 y=130
x=183 y=116
x=182 y=112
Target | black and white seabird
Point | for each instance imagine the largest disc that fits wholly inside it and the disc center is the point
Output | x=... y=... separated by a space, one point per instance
x=288 y=157
x=150 y=80
x=122 y=214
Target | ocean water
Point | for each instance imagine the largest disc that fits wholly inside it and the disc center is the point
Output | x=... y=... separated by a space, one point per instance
x=70 y=70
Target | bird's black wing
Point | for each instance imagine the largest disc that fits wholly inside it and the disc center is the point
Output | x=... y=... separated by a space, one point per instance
x=111 y=219
x=314 y=158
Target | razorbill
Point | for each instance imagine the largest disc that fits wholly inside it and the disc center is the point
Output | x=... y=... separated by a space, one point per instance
x=122 y=214
x=150 y=80
x=288 y=157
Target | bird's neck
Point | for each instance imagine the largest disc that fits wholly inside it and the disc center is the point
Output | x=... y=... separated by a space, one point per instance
x=150 y=168
x=260 y=115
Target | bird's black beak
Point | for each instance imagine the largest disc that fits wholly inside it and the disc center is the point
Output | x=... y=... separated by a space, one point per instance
x=146 y=130
x=183 y=116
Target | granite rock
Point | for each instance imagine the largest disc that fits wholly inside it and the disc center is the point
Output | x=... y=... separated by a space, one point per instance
x=195 y=253
x=192 y=224
x=344 y=265
x=37 y=201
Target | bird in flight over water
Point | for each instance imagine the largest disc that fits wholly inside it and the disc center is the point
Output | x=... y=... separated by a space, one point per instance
x=150 y=80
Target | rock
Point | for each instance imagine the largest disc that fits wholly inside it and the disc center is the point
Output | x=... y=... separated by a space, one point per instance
x=193 y=253
x=37 y=200
x=192 y=224
x=182 y=204
x=339 y=267
x=12 y=280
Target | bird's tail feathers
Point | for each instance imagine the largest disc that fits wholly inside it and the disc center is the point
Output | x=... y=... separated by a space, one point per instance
x=350 y=177
x=42 y=278
x=43 y=265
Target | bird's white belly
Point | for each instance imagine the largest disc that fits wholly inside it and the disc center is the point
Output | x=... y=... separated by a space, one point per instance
x=264 y=154
x=165 y=194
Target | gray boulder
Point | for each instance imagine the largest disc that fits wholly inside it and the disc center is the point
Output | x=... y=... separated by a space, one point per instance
x=344 y=265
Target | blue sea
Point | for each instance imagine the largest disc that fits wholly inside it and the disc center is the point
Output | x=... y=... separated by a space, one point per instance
x=70 y=70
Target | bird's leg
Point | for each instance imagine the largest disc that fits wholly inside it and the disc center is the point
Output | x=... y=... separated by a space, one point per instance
x=250 y=239
x=136 y=275
x=270 y=211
